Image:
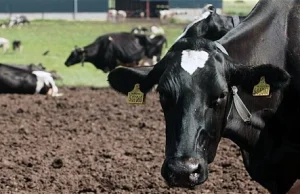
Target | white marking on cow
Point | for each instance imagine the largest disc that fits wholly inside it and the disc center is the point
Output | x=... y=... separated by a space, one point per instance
x=110 y=38
x=154 y=59
x=191 y=60
x=4 y=43
x=202 y=17
x=152 y=36
x=45 y=78
x=135 y=31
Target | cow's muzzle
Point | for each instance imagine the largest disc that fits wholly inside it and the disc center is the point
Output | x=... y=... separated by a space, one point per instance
x=184 y=172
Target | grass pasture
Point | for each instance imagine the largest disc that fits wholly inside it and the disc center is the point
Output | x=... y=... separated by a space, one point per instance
x=60 y=37
x=238 y=7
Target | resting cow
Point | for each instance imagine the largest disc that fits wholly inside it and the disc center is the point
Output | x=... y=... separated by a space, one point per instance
x=20 y=81
x=32 y=67
x=114 y=49
x=206 y=94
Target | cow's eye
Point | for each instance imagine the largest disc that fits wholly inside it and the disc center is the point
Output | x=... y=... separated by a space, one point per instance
x=215 y=103
x=223 y=95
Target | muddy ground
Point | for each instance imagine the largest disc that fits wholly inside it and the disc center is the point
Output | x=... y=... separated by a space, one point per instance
x=91 y=141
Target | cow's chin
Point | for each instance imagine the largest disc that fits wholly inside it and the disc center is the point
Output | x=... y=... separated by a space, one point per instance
x=194 y=181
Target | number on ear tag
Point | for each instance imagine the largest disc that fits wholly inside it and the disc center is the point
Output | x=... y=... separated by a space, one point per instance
x=135 y=96
x=262 y=88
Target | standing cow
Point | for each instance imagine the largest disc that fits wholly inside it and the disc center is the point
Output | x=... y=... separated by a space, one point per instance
x=114 y=49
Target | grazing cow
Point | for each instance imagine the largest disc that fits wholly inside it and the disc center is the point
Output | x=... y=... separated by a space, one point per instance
x=116 y=15
x=123 y=48
x=139 y=30
x=153 y=45
x=4 y=43
x=18 y=20
x=16 y=44
x=248 y=96
x=18 y=80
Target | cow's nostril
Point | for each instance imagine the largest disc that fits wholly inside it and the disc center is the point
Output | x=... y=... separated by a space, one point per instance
x=194 y=177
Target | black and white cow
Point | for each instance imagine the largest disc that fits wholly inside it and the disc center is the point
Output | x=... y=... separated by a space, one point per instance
x=113 y=49
x=33 y=67
x=18 y=20
x=206 y=94
x=21 y=81
x=153 y=45
x=139 y=30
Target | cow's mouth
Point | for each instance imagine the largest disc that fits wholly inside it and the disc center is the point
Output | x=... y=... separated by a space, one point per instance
x=184 y=173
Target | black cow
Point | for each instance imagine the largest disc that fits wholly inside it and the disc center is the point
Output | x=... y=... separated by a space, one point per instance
x=153 y=45
x=21 y=81
x=206 y=94
x=211 y=25
x=110 y=50
x=17 y=45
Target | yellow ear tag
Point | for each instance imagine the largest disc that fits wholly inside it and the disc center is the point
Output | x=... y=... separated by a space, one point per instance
x=135 y=96
x=262 y=88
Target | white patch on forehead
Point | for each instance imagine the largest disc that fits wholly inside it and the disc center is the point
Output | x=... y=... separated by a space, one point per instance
x=202 y=17
x=191 y=60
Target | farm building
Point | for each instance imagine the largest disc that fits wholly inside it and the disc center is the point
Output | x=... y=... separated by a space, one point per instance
x=132 y=7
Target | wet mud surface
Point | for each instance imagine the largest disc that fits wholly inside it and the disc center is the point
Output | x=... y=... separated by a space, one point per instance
x=91 y=141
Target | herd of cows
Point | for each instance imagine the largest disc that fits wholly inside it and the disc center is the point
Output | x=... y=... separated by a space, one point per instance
x=225 y=76
x=140 y=47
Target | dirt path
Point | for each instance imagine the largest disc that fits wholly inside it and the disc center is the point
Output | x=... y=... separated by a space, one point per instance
x=91 y=141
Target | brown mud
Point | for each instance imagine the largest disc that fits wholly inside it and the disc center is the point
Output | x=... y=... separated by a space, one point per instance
x=91 y=141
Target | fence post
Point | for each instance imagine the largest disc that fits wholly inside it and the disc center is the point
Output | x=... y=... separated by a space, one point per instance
x=75 y=9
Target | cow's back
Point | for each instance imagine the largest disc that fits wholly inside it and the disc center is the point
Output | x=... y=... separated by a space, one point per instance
x=125 y=47
x=15 y=80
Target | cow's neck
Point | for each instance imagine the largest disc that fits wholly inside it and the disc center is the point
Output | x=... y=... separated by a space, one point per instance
x=259 y=38
x=246 y=134
x=91 y=54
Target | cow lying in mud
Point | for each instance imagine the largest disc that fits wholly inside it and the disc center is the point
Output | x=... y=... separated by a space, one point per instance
x=21 y=81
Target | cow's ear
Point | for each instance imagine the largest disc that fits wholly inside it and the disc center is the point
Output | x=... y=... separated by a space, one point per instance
x=123 y=79
x=249 y=77
x=209 y=7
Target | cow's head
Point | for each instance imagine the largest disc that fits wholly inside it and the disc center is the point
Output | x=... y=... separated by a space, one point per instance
x=209 y=25
x=76 y=56
x=194 y=84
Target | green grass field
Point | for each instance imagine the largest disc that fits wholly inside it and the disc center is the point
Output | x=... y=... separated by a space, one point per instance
x=238 y=7
x=60 y=37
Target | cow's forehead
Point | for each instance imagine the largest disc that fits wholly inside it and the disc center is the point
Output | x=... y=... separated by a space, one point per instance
x=191 y=60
